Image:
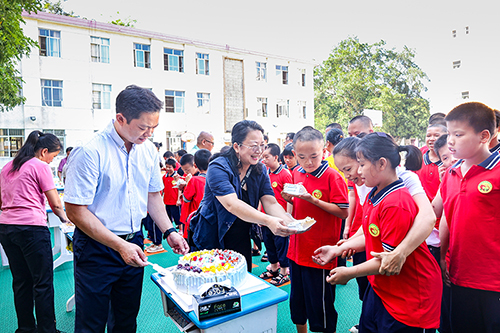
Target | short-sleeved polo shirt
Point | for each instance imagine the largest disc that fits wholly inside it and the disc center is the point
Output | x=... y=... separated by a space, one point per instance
x=470 y=203
x=414 y=296
x=112 y=182
x=326 y=184
x=279 y=178
x=170 y=193
x=429 y=176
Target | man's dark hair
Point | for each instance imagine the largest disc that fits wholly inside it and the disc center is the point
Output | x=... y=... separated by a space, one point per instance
x=288 y=150
x=436 y=117
x=274 y=149
x=443 y=128
x=334 y=136
x=334 y=125
x=201 y=158
x=290 y=136
x=477 y=115
x=367 y=122
x=308 y=133
x=168 y=154
x=132 y=101
x=171 y=162
x=181 y=152
x=69 y=149
x=187 y=159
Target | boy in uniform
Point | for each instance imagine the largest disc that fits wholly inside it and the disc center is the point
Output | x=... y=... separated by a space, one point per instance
x=311 y=297
x=195 y=187
x=289 y=158
x=469 y=229
x=276 y=246
x=170 y=193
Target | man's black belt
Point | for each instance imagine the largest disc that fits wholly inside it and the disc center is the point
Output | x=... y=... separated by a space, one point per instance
x=127 y=237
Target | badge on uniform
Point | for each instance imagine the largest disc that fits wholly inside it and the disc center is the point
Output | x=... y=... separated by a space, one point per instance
x=317 y=194
x=374 y=230
x=484 y=187
x=274 y=184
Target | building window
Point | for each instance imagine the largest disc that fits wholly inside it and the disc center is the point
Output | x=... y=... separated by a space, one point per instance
x=302 y=109
x=50 y=43
x=466 y=30
x=282 y=71
x=262 y=111
x=261 y=71
x=282 y=108
x=11 y=140
x=174 y=101
x=52 y=93
x=303 y=77
x=465 y=95
x=204 y=102
x=101 y=96
x=454 y=33
x=173 y=60
x=142 y=56
x=61 y=135
x=202 y=63
x=99 y=49
x=456 y=64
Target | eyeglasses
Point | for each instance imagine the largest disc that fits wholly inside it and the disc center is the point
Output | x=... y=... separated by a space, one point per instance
x=255 y=148
x=213 y=144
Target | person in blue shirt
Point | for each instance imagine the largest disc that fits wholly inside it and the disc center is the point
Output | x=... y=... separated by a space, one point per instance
x=235 y=183
x=112 y=182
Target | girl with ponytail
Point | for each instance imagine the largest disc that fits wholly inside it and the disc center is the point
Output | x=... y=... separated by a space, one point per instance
x=25 y=182
x=400 y=302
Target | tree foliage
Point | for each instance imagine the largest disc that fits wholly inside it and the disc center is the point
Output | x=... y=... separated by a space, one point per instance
x=127 y=22
x=56 y=8
x=358 y=76
x=13 y=45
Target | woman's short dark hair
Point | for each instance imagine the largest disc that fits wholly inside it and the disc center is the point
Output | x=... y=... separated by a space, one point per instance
x=238 y=135
x=347 y=147
x=376 y=145
x=132 y=101
x=334 y=136
x=36 y=141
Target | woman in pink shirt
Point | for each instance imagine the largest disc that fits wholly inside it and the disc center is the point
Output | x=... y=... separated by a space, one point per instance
x=24 y=184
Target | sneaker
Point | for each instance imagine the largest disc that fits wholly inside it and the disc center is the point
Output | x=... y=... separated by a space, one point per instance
x=154 y=248
x=354 y=329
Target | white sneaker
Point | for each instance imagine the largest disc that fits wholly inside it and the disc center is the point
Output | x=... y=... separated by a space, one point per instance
x=154 y=248
x=354 y=329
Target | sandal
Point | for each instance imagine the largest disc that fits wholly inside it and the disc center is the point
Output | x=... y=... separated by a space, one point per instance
x=268 y=274
x=280 y=280
x=264 y=258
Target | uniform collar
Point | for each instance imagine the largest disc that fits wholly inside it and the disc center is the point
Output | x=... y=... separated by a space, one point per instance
x=375 y=200
x=488 y=163
x=319 y=171
x=495 y=149
x=277 y=171
x=428 y=161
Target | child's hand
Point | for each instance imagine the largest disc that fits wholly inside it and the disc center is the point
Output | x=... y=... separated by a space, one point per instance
x=348 y=253
x=346 y=232
x=339 y=275
x=179 y=202
x=445 y=274
x=287 y=197
x=188 y=178
x=441 y=170
x=176 y=177
x=325 y=254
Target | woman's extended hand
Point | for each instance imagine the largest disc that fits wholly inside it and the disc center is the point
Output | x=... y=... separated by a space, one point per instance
x=279 y=228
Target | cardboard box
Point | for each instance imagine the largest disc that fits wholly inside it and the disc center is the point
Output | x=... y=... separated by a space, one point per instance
x=217 y=304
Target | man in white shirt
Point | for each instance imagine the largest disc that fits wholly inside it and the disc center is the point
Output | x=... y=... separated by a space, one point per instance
x=113 y=181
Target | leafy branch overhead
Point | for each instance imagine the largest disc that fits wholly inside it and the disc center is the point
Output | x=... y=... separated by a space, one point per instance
x=358 y=76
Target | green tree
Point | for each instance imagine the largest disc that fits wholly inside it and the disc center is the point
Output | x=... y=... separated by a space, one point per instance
x=358 y=76
x=13 y=45
x=127 y=22
x=56 y=8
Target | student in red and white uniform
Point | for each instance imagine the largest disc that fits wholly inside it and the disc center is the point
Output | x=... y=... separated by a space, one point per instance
x=410 y=301
x=276 y=246
x=469 y=229
x=311 y=298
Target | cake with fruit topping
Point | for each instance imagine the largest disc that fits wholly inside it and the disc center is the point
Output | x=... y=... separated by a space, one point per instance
x=209 y=266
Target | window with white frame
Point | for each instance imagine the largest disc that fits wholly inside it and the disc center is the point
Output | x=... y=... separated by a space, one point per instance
x=49 y=42
x=101 y=96
x=203 y=102
x=142 y=55
x=173 y=60
x=282 y=108
x=261 y=71
x=202 y=63
x=302 y=77
x=302 y=109
x=52 y=92
x=282 y=71
x=61 y=135
x=262 y=111
x=457 y=64
x=99 y=49
x=11 y=140
x=174 y=101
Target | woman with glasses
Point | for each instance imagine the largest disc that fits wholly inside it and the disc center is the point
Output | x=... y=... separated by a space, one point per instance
x=236 y=182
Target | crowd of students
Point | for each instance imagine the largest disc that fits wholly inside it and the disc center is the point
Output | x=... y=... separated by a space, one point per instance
x=409 y=224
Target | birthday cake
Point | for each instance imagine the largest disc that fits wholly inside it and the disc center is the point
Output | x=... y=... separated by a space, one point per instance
x=209 y=266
